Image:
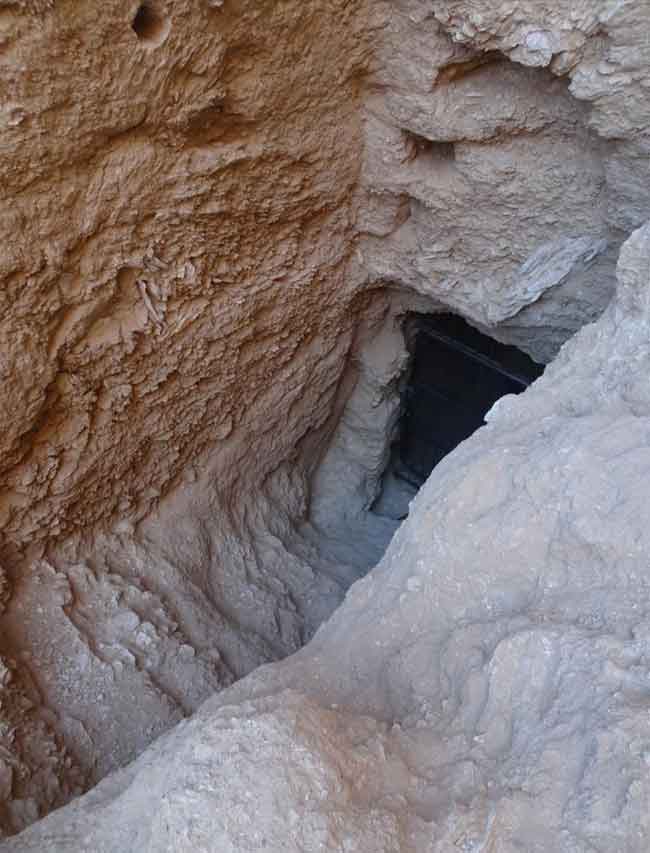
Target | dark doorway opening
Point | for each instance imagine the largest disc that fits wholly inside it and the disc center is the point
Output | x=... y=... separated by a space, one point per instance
x=456 y=376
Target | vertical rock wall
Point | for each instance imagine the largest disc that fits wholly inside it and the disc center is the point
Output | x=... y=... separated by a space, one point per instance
x=175 y=226
x=176 y=304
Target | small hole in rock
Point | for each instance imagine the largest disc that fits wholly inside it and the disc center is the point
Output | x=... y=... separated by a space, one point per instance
x=149 y=25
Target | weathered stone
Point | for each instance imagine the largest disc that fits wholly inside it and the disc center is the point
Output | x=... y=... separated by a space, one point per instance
x=215 y=220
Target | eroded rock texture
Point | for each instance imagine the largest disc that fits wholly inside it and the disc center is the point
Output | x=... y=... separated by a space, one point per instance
x=176 y=308
x=216 y=216
x=483 y=688
x=513 y=174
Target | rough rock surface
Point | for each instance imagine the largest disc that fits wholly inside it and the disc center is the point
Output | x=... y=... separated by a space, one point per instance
x=180 y=223
x=216 y=216
x=484 y=688
x=511 y=188
x=176 y=307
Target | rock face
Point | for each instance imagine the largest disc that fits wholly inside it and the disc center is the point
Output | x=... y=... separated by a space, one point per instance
x=511 y=188
x=177 y=308
x=208 y=251
x=187 y=205
x=483 y=688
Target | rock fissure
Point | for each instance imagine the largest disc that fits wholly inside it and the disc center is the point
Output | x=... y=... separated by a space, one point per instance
x=291 y=555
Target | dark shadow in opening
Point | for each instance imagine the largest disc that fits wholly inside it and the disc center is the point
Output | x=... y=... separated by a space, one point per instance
x=456 y=376
x=149 y=26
